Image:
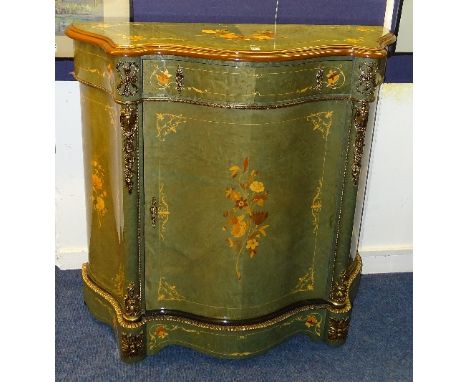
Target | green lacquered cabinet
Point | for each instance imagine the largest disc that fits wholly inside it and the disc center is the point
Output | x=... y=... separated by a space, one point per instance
x=225 y=169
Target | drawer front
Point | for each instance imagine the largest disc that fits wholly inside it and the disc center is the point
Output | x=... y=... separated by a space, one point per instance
x=210 y=81
x=240 y=205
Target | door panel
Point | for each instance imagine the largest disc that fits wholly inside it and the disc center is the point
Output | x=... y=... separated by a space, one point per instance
x=240 y=205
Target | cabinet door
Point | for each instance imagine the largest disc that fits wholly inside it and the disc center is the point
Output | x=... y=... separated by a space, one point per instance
x=241 y=205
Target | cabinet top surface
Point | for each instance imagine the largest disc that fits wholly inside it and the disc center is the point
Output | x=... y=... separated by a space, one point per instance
x=243 y=42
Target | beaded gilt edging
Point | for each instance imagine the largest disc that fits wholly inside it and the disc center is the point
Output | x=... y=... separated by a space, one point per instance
x=106 y=296
x=339 y=293
x=355 y=269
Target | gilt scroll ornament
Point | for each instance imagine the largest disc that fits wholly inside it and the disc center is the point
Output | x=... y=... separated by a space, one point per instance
x=132 y=345
x=154 y=211
x=367 y=80
x=132 y=302
x=128 y=72
x=339 y=289
x=361 y=116
x=129 y=126
x=179 y=79
x=338 y=329
x=319 y=79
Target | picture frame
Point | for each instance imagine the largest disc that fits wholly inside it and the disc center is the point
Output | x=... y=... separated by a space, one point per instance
x=68 y=11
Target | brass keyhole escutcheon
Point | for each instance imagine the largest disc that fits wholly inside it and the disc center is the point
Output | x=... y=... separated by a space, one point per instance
x=154 y=211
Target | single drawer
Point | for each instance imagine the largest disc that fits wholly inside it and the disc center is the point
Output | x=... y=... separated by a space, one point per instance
x=244 y=83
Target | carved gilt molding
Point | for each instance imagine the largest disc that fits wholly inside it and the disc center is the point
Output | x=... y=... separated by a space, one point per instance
x=367 y=80
x=154 y=211
x=128 y=72
x=360 y=118
x=339 y=289
x=281 y=318
x=319 y=79
x=338 y=329
x=132 y=345
x=132 y=303
x=339 y=292
x=129 y=126
x=179 y=79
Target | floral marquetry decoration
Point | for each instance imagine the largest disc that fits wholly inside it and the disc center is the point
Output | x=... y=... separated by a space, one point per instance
x=167 y=291
x=99 y=193
x=316 y=206
x=229 y=35
x=118 y=281
x=223 y=179
x=167 y=124
x=333 y=78
x=314 y=322
x=245 y=220
x=164 y=78
x=158 y=334
x=161 y=332
x=321 y=122
x=306 y=283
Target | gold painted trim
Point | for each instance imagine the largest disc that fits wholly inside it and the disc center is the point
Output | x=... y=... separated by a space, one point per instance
x=332 y=307
x=110 y=48
x=338 y=329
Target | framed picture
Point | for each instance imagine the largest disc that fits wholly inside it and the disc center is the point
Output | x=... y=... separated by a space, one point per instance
x=68 y=11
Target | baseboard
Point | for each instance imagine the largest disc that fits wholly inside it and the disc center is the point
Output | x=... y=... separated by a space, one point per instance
x=374 y=260
x=386 y=260
x=71 y=258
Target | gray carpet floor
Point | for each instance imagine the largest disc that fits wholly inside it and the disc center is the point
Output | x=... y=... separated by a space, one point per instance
x=379 y=345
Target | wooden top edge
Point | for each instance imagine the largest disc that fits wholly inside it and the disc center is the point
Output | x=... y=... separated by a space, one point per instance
x=112 y=49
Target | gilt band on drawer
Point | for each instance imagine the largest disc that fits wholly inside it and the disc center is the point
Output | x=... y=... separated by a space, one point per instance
x=222 y=164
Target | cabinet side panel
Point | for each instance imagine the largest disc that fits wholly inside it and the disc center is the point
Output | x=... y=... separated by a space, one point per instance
x=103 y=188
x=367 y=76
x=93 y=66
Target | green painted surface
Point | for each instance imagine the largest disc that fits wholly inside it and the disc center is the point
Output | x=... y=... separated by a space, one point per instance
x=105 y=217
x=296 y=154
x=245 y=82
x=255 y=207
